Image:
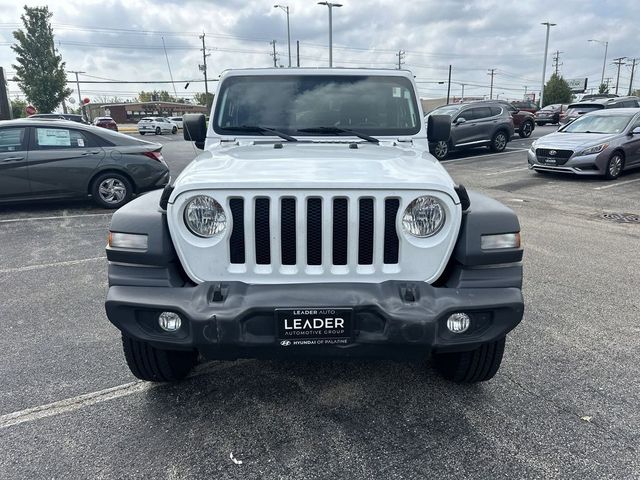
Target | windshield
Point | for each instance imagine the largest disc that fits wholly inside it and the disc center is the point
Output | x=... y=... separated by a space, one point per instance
x=599 y=124
x=450 y=110
x=375 y=105
x=550 y=108
x=580 y=109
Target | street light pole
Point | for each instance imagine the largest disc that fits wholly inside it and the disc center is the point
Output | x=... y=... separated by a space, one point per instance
x=81 y=103
x=285 y=8
x=604 y=62
x=544 y=64
x=330 y=5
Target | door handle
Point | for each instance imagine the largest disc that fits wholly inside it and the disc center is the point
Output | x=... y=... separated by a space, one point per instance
x=92 y=152
x=12 y=159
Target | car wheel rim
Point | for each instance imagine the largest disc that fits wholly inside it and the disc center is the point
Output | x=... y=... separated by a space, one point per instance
x=527 y=129
x=501 y=142
x=615 y=166
x=441 y=149
x=112 y=190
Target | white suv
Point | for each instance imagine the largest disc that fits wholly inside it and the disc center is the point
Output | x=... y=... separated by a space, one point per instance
x=315 y=222
x=157 y=125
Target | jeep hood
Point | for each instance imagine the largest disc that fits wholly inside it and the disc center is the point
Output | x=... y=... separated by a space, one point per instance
x=320 y=165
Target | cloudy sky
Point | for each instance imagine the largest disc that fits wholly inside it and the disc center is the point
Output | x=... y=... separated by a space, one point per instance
x=123 y=40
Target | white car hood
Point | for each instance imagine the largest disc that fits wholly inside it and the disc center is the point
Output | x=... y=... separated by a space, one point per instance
x=321 y=165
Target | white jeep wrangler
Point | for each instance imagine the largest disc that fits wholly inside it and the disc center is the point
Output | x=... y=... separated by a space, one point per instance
x=315 y=222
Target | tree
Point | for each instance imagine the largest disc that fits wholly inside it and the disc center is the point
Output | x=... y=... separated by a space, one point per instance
x=17 y=108
x=40 y=70
x=557 y=90
x=201 y=98
x=604 y=88
x=636 y=93
x=157 y=96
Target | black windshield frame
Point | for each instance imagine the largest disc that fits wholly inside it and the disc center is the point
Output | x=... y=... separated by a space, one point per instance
x=304 y=83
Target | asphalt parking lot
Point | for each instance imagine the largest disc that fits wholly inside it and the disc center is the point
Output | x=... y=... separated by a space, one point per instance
x=564 y=404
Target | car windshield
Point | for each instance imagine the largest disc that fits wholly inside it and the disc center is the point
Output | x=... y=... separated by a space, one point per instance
x=580 y=109
x=598 y=123
x=550 y=108
x=373 y=105
x=450 y=110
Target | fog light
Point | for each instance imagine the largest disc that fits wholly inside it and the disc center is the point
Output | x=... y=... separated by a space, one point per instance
x=458 y=322
x=169 y=321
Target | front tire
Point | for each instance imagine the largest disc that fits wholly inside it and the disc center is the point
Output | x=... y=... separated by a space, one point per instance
x=143 y=133
x=158 y=131
x=478 y=365
x=526 y=129
x=499 y=141
x=174 y=130
x=111 y=190
x=615 y=165
x=155 y=365
x=441 y=150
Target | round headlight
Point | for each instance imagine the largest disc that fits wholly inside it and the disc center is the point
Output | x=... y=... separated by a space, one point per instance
x=204 y=217
x=423 y=217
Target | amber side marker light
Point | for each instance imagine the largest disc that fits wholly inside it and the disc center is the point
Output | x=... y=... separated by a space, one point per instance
x=503 y=240
x=128 y=241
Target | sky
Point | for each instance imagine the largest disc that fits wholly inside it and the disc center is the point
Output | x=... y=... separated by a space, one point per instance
x=123 y=40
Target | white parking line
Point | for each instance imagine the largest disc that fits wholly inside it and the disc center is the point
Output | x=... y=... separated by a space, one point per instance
x=612 y=185
x=507 y=171
x=57 y=217
x=88 y=399
x=444 y=162
x=47 y=265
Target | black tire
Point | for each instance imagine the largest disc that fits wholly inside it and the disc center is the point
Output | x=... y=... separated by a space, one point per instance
x=158 y=131
x=111 y=190
x=142 y=133
x=174 y=130
x=155 y=365
x=478 y=365
x=440 y=150
x=615 y=166
x=526 y=129
x=499 y=141
x=540 y=123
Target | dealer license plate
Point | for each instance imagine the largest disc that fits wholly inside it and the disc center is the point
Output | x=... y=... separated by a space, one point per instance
x=314 y=326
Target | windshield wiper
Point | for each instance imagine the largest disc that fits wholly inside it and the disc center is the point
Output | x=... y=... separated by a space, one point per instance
x=262 y=130
x=339 y=130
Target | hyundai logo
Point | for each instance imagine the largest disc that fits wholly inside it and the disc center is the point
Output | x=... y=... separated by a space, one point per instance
x=285 y=343
x=552 y=152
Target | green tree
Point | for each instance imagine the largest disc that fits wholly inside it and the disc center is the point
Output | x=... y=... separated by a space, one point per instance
x=17 y=108
x=202 y=98
x=157 y=96
x=557 y=90
x=39 y=70
x=604 y=88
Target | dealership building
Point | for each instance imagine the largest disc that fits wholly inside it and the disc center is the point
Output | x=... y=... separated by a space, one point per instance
x=131 y=112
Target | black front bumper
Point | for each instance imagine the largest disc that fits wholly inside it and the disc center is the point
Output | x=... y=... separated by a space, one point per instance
x=392 y=318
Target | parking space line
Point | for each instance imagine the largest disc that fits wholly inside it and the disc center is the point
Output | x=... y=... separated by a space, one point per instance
x=56 y=217
x=444 y=162
x=88 y=399
x=507 y=171
x=47 y=265
x=611 y=185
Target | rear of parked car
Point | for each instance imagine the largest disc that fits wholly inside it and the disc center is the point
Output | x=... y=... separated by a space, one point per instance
x=551 y=114
x=106 y=122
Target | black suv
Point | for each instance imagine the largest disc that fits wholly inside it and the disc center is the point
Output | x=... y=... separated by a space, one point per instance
x=475 y=124
x=578 y=109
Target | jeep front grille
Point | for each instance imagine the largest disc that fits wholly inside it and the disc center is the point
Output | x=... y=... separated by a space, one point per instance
x=314 y=231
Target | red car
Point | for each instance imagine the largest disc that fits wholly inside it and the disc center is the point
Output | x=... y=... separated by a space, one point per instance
x=525 y=106
x=106 y=122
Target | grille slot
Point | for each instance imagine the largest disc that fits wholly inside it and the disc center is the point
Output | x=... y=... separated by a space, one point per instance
x=340 y=231
x=288 y=230
x=314 y=231
x=262 y=235
x=391 y=241
x=365 y=232
x=236 y=242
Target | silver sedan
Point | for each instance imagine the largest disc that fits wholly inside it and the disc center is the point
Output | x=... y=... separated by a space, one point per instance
x=604 y=143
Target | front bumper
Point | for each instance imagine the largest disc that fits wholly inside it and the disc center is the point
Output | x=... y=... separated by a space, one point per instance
x=594 y=165
x=392 y=318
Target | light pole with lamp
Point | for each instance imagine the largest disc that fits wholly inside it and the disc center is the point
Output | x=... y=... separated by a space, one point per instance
x=285 y=8
x=330 y=5
x=604 y=63
x=544 y=64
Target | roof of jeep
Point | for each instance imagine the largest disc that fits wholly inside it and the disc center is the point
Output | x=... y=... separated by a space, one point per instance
x=318 y=71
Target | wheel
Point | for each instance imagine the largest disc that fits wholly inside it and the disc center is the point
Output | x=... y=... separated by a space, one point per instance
x=478 y=365
x=441 y=150
x=174 y=130
x=158 y=131
x=111 y=190
x=143 y=133
x=614 y=166
x=499 y=141
x=155 y=365
x=540 y=123
x=525 y=130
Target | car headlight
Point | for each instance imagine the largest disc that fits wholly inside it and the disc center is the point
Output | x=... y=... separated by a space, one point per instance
x=204 y=216
x=594 y=149
x=423 y=217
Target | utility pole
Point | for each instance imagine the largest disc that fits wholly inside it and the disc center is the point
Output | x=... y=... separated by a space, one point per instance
x=492 y=73
x=400 y=56
x=544 y=64
x=80 y=102
x=604 y=62
x=462 y=95
x=203 y=68
x=556 y=61
x=619 y=62
x=449 y=85
x=285 y=8
x=298 y=52
x=525 y=93
x=633 y=69
x=274 y=54
x=5 y=105
x=330 y=6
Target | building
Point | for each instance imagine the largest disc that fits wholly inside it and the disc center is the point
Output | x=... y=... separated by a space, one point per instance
x=131 y=112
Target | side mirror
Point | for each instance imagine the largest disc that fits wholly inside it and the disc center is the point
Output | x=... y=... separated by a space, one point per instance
x=635 y=131
x=438 y=128
x=460 y=120
x=194 y=129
